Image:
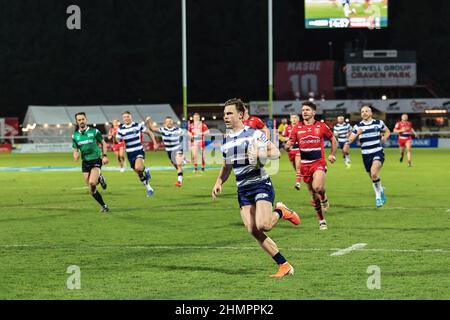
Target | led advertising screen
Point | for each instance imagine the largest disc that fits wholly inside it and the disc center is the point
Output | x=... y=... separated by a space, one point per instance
x=331 y=14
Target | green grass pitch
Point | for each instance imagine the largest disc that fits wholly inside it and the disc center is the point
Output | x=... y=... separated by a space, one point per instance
x=182 y=245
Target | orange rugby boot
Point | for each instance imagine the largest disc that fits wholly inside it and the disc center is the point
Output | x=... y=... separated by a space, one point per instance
x=288 y=214
x=284 y=270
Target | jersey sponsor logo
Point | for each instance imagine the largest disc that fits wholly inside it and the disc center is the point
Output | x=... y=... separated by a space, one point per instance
x=310 y=139
x=317 y=130
x=269 y=183
x=85 y=142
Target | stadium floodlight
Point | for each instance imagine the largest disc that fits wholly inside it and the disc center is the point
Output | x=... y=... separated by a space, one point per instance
x=58 y=125
x=214 y=117
x=107 y=123
x=203 y=118
x=94 y=124
x=154 y=123
x=190 y=118
x=70 y=124
x=178 y=122
x=45 y=125
x=383 y=97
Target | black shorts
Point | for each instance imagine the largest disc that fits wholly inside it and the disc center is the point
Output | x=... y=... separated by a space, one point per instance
x=87 y=166
x=368 y=159
x=132 y=156
x=173 y=155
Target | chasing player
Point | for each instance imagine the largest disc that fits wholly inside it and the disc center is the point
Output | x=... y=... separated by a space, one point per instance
x=342 y=131
x=255 y=123
x=294 y=152
x=197 y=130
x=172 y=138
x=310 y=135
x=244 y=150
x=371 y=134
x=130 y=133
x=118 y=147
x=86 y=140
x=405 y=131
x=347 y=9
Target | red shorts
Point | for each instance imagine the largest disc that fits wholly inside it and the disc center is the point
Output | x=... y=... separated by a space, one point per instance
x=292 y=155
x=402 y=142
x=117 y=146
x=307 y=170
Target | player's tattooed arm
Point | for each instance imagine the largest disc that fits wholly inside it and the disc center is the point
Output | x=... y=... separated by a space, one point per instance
x=221 y=179
x=76 y=154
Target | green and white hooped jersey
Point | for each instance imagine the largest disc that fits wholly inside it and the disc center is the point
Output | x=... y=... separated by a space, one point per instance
x=87 y=142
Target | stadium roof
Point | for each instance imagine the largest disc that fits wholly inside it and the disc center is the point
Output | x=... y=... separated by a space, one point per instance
x=53 y=115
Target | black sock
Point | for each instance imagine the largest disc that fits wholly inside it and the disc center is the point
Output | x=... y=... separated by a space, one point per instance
x=280 y=213
x=376 y=181
x=279 y=259
x=180 y=173
x=98 y=197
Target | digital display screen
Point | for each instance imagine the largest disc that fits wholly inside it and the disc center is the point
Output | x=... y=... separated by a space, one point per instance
x=332 y=14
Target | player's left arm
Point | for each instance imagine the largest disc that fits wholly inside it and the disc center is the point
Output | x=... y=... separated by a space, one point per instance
x=330 y=136
x=414 y=133
x=385 y=132
x=152 y=136
x=266 y=131
x=99 y=138
x=262 y=149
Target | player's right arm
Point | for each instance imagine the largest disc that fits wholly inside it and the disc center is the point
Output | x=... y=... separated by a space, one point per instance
x=221 y=179
x=397 y=128
x=292 y=139
x=355 y=134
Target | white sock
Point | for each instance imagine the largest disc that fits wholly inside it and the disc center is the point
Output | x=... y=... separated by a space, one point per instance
x=377 y=187
x=347 y=159
x=147 y=185
x=180 y=178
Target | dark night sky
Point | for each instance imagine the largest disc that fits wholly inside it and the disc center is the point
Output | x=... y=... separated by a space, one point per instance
x=129 y=51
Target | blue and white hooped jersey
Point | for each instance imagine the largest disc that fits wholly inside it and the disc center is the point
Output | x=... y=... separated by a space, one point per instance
x=235 y=152
x=370 y=139
x=131 y=134
x=172 y=138
x=341 y=131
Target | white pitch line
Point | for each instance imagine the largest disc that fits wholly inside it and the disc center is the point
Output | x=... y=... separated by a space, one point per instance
x=357 y=246
x=139 y=247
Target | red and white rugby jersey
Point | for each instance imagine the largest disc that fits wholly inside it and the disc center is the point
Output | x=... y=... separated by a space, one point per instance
x=198 y=130
x=407 y=126
x=310 y=139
